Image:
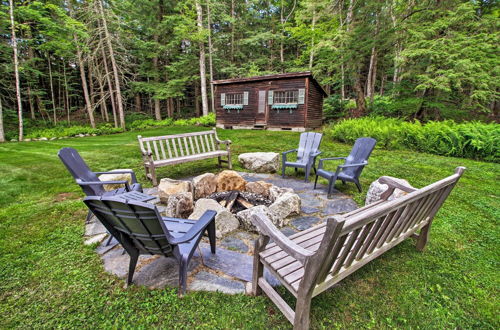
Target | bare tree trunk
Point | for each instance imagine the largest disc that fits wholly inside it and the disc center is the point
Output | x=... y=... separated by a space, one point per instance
x=138 y=102
x=30 y=102
x=232 y=30
x=210 y=53
x=110 y=86
x=204 y=99
x=66 y=93
x=382 y=84
x=52 y=91
x=197 y=100
x=155 y=100
x=373 y=78
x=368 y=86
x=313 y=26
x=282 y=44
x=86 y=95
x=360 y=98
x=114 y=66
x=2 y=134
x=342 y=67
x=16 y=70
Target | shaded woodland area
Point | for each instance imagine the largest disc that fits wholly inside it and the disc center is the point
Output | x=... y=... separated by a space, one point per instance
x=99 y=61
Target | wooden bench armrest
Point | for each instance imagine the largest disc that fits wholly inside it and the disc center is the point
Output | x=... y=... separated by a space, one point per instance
x=266 y=228
x=144 y=152
x=392 y=186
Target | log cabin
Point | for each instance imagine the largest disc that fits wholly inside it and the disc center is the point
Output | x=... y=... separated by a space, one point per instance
x=286 y=101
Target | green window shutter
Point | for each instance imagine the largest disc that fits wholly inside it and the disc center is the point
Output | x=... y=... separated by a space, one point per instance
x=245 y=98
x=270 y=96
x=302 y=93
x=223 y=99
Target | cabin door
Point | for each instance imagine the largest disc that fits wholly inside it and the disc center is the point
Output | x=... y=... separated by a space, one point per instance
x=260 y=118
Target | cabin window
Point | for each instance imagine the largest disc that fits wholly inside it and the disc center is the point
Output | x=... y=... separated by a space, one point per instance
x=234 y=99
x=286 y=97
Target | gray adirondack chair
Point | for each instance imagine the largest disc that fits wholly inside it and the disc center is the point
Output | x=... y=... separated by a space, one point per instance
x=306 y=154
x=140 y=229
x=89 y=181
x=352 y=167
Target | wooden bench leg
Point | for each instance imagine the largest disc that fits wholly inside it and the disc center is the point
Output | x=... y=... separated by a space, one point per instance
x=423 y=237
x=229 y=163
x=302 y=311
x=153 y=176
x=258 y=267
x=219 y=160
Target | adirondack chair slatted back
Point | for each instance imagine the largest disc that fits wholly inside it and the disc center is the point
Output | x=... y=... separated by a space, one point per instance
x=79 y=170
x=366 y=234
x=132 y=223
x=360 y=152
x=309 y=143
x=180 y=145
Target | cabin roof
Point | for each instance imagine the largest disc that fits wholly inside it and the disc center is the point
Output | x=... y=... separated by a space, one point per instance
x=271 y=77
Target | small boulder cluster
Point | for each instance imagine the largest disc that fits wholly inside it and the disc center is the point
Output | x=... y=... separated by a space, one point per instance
x=188 y=199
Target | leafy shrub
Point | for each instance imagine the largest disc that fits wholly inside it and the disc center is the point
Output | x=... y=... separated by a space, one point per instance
x=471 y=140
x=61 y=131
x=334 y=108
x=131 y=117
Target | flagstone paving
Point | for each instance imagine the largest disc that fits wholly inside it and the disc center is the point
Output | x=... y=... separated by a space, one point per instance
x=231 y=266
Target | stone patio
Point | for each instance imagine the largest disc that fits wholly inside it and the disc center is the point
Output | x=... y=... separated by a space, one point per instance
x=231 y=267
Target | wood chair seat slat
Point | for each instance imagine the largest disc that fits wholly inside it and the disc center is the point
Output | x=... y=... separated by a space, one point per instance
x=309 y=262
x=181 y=148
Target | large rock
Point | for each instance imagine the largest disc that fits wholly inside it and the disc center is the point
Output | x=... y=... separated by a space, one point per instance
x=116 y=177
x=377 y=189
x=204 y=185
x=286 y=205
x=225 y=221
x=275 y=192
x=259 y=187
x=169 y=187
x=245 y=217
x=262 y=162
x=230 y=180
x=179 y=205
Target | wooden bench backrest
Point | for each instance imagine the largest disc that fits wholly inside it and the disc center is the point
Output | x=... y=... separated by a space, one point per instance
x=179 y=145
x=355 y=239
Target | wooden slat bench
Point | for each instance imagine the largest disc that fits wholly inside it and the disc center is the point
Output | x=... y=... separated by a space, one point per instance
x=311 y=261
x=158 y=151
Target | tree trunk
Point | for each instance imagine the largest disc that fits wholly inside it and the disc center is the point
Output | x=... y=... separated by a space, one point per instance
x=2 y=134
x=52 y=91
x=368 y=86
x=114 y=66
x=210 y=53
x=138 y=103
x=110 y=86
x=282 y=44
x=382 y=84
x=360 y=98
x=313 y=26
x=16 y=70
x=232 y=30
x=30 y=103
x=86 y=95
x=196 y=100
x=204 y=99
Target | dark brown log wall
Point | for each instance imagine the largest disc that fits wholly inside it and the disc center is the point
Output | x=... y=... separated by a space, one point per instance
x=315 y=106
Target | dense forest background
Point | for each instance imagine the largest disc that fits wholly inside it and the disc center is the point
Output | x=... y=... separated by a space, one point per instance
x=102 y=61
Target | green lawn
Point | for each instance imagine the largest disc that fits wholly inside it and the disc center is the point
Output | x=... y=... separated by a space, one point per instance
x=48 y=278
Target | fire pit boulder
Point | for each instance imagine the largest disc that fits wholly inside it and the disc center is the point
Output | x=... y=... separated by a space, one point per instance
x=225 y=221
x=204 y=185
x=260 y=162
x=169 y=187
x=230 y=180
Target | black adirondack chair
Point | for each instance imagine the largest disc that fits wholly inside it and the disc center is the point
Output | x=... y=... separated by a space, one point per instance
x=352 y=167
x=89 y=181
x=141 y=229
x=306 y=154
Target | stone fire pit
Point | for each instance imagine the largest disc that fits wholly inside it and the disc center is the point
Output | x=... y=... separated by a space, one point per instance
x=294 y=206
x=235 y=199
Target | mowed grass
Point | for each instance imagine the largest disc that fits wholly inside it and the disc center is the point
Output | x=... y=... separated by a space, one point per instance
x=48 y=278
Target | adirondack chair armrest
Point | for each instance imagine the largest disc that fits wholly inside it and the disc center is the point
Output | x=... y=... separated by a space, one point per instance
x=89 y=183
x=315 y=154
x=198 y=227
x=131 y=172
x=320 y=165
x=289 y=151
x=354 y=165
x=266 y=228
